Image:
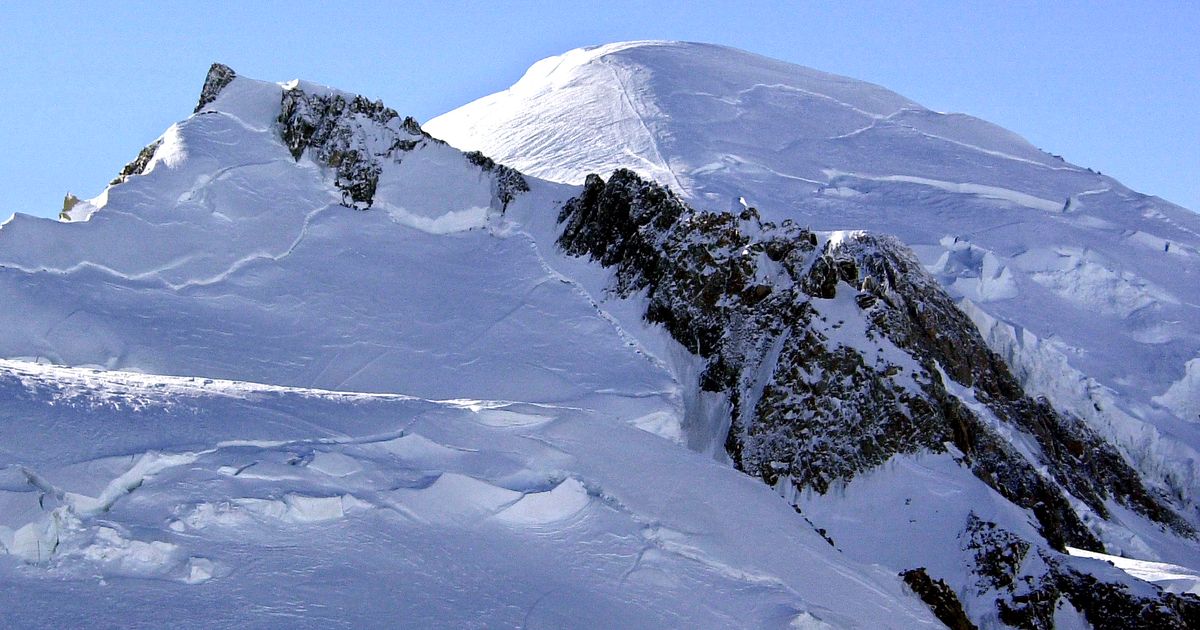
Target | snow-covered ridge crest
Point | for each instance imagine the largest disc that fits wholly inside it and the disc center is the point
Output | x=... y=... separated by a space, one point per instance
x=356 y=138
x=222 y=195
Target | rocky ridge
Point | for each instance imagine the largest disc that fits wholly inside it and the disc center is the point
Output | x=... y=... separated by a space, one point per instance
x=837 y=352
x=354 y=136
x=350 y=134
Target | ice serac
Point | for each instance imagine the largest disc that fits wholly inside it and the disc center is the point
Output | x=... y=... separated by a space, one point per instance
x=1091 y=291
x=301 y=343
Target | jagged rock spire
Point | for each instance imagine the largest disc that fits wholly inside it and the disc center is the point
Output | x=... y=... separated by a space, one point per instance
x=219 y=76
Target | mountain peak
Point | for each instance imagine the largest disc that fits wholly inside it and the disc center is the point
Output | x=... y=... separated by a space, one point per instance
x=219 y=76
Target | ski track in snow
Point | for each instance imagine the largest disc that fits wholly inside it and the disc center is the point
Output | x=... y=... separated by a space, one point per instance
x=650 y=136
x=793 y=88
x=583 y=292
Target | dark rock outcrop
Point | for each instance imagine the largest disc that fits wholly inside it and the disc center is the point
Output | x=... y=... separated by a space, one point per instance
x=219 y=76
x=139 y=163
x=69 y=202
x=507 y=183
x=939 y=597
x=356 y=137
x=1029 y=583
x=351 y=135
x=911 y=310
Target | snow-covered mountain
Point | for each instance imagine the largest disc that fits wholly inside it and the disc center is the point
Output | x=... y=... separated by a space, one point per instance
x=303 y=362
x=1089 y=290
x=496 y=476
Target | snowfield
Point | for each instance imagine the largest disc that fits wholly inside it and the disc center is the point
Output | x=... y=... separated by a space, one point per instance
x=139 y=500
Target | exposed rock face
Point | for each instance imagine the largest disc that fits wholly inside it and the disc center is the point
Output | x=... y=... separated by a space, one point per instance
x=356 y=137
x=1030 y=583
x=939 y=597
x=906 y=304
x=508 y=182
x=219 y=76
x=69 y=202
x=139 y=163
x=839 y=353
x=350 y=134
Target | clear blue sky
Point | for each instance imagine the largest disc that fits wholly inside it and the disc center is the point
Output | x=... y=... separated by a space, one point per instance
x=1112 y=86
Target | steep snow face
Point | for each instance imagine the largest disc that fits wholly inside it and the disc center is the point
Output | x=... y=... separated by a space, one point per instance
x=1090 y=290
x=597 y=109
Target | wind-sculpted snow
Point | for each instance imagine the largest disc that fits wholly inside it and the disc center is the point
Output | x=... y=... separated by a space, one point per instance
x=130 y=499
x=1108 y=279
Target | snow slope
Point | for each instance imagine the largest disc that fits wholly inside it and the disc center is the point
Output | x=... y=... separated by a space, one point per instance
x=1089 y=290
x=285 y=410
x=148 y=501
x=1171 y=577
